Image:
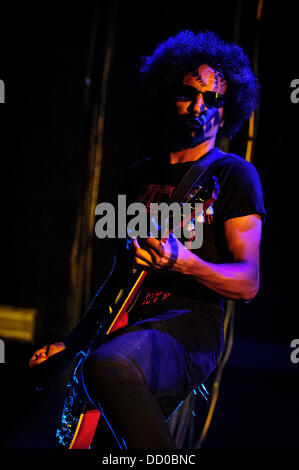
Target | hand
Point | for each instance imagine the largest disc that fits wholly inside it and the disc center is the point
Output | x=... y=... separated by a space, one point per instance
x=44 y=353
x=155 y=254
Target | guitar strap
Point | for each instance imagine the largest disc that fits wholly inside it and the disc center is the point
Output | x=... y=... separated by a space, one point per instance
x=196 y=173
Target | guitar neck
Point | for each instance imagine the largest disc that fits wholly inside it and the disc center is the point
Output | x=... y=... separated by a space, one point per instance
x=126 y=296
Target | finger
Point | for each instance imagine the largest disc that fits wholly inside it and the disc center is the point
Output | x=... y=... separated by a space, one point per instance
x=152 y=254
x=141 y=262
x=143 y=255
x=152 y=242
x=156 y=245
x=135 y=243
x=37 y=354
x=158 y=254
x=35 y=361
x=51 y=349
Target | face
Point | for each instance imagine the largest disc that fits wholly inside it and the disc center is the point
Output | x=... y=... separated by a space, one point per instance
x=199 y=106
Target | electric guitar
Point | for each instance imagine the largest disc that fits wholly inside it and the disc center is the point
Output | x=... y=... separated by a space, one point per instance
x=80 y=417
x=117 y=315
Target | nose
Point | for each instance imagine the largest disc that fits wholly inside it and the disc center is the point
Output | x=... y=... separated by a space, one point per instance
x=197 y=106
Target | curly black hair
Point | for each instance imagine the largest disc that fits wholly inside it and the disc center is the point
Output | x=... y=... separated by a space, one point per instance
x=164 y=70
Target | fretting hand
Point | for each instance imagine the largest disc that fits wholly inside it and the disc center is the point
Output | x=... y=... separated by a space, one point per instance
x=156 y=254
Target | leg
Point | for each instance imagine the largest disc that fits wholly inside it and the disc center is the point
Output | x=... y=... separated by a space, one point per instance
x=127 y=375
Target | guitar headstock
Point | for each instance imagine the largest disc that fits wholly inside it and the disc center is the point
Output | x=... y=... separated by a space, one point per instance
x=202 y=194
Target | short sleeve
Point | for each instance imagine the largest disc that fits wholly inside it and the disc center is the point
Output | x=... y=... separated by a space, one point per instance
x=241 y=193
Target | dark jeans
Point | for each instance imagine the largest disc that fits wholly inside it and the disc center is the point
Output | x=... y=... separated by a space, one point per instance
x=160 y=357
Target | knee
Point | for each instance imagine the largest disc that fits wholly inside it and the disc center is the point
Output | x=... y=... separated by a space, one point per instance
x=97 y=366
x=106 y=369
x=90 y=367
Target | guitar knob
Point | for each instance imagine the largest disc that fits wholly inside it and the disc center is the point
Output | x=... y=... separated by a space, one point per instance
x=201 y=217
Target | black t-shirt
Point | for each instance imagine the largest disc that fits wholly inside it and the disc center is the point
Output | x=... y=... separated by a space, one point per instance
x=240 y=194
x=154 y=180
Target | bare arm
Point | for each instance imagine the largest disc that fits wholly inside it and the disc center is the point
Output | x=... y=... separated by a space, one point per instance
x=237 y=280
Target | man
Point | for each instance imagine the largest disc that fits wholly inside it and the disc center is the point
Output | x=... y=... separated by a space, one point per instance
x=195 y=86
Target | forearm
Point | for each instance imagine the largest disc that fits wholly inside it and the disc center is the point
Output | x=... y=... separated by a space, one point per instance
x=237 y=280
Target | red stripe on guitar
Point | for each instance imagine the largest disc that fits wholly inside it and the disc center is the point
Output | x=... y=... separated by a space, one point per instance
x=86 y=430
x=122 y=318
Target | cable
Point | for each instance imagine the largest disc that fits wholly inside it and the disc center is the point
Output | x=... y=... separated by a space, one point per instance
x=228 y=331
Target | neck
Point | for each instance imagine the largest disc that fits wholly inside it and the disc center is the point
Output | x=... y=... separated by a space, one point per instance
x=192 y=154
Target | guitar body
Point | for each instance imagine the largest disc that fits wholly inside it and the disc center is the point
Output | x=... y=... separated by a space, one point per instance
x=80 y=418
x=89 y=418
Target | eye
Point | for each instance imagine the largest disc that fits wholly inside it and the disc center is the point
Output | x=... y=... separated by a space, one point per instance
x=183 y=98
x=185 y=93
x=213 y=99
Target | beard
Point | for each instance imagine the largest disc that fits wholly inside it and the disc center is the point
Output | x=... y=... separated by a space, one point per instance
x=185 y=132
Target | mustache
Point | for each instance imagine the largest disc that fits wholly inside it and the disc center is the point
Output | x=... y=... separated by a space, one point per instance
x=196 y=123
x=192 y=123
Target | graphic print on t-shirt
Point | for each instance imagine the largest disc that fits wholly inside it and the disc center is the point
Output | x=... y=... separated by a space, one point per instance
x=154 y=193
